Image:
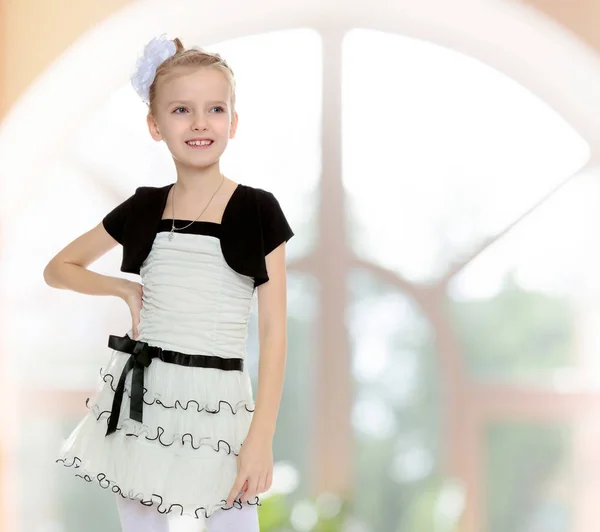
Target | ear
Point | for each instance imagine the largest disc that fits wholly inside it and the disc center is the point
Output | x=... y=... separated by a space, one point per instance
x=153 y=128
x=233 y=127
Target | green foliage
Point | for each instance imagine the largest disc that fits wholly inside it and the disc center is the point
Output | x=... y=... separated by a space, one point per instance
x=436 y=508
x=275 y=515
x=515 y=335
x=524 y=467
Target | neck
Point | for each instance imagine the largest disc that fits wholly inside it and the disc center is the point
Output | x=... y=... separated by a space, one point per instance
x=198 y=181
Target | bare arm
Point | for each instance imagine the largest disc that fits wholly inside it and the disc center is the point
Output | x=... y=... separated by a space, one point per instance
x=68 y=270
x=272 y=317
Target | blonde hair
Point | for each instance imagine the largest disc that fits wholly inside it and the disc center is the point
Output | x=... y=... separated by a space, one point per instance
x=192 y=57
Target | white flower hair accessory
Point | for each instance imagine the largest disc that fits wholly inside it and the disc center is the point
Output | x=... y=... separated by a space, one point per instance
x=156 y=52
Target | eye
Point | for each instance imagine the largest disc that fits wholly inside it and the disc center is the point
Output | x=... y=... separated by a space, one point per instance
x=177 y=109
x=219 y=108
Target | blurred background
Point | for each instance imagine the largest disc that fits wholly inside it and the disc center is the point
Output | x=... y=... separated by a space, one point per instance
x=438 y=162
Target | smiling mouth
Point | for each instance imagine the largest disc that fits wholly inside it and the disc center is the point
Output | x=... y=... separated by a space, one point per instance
x=199 y=143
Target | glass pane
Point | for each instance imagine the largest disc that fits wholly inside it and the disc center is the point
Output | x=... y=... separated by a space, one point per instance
x=440 y=151
x=526 y=309
x=528 y=478
x=397 y=409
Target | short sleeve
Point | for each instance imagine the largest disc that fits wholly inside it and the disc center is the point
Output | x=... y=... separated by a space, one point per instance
x=275 y=228
x=114 y=221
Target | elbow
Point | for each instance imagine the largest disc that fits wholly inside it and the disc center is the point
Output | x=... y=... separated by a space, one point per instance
x=50 y=275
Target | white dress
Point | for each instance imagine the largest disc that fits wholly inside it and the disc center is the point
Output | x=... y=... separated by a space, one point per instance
x=183 y=457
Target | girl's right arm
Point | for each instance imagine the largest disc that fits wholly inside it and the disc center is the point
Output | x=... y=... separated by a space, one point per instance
x=68 y=270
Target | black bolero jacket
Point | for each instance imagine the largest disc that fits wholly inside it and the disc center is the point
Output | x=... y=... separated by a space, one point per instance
x=252 y=226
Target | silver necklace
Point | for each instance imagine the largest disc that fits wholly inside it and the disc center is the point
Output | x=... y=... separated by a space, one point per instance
x=173 y=228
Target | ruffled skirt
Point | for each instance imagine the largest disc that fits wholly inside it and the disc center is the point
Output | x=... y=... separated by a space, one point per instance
x=183 y=457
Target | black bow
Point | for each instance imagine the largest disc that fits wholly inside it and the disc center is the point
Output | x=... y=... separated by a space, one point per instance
x=141 y=357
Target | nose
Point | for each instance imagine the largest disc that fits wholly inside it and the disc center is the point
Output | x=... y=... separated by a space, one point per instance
x=198 y=123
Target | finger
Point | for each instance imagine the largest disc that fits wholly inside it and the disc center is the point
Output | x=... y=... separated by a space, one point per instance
x=237 y=487
x=262 y=487
x=260 y=484
x=135 y=321
x=246 y=490
x=255 y=488
x=251 y=492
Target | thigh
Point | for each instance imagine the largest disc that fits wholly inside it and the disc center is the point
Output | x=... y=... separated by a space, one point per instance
x=135 y=517
x=243 y=519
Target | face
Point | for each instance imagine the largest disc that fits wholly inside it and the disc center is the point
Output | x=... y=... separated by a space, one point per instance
x=192 y=114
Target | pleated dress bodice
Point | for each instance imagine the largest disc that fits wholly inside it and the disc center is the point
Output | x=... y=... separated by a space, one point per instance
x=192 y=300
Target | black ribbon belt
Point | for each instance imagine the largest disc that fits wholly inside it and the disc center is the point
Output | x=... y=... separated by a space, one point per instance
x=142 y=355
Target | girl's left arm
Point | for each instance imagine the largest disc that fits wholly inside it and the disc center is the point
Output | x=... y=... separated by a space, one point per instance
x=255 y=461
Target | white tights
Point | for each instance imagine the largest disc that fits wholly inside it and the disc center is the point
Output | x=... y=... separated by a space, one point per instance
x=135 y=517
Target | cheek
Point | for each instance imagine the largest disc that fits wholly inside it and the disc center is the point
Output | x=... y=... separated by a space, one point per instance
x=223 y=125
x=171 y=128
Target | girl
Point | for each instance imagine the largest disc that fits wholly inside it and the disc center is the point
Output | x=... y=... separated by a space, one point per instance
x=165 y=429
